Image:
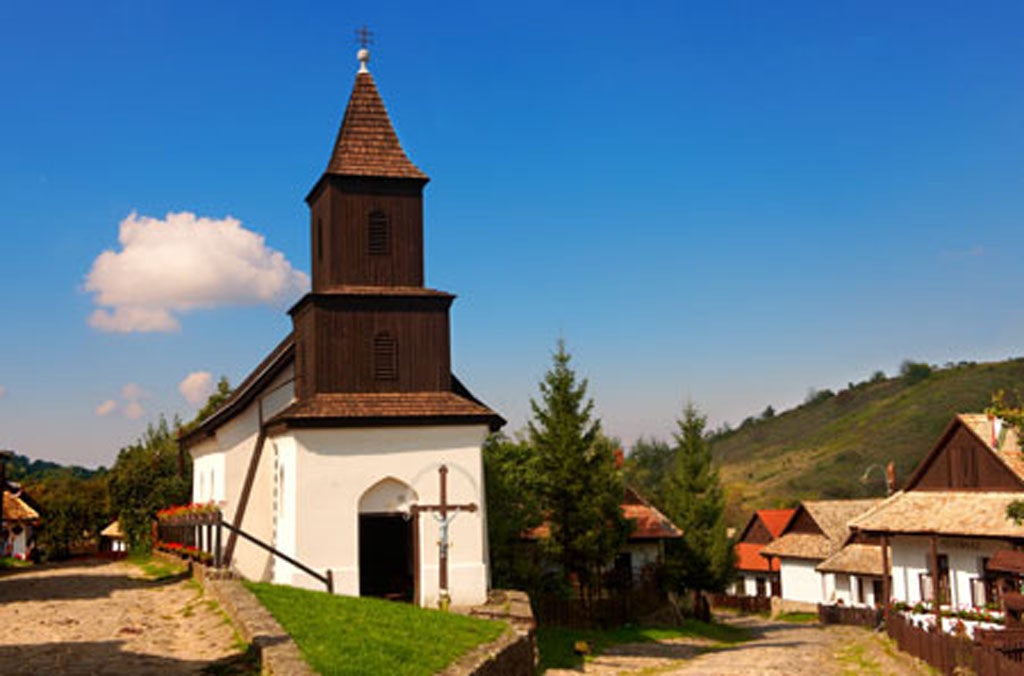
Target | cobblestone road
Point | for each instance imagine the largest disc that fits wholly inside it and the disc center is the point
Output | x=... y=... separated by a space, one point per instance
x=101 y=618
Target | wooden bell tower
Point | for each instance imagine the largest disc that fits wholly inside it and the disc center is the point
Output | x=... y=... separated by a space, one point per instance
x=369 y=324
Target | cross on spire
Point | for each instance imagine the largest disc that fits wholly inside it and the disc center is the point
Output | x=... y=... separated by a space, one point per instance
x=364 y=36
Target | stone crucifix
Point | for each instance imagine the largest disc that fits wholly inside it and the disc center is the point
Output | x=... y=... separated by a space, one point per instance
x=444 y=513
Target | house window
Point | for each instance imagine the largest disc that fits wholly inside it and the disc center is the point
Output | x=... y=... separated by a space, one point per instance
x=385 y=357
x=761 y=590
x=859 y=598
x=378 y=234
x=876 y=592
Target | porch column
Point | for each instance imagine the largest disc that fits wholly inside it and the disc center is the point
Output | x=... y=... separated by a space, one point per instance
x=886 y=581
x=936 y=600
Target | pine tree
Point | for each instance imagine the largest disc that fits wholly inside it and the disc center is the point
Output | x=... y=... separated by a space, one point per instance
x=694 y=501
x=579 y=486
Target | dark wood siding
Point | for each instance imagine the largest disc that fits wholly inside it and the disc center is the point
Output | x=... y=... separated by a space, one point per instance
x=344 y=207
x=963 y=462
x=341 y=333
x=758 y=533
x=803 y=523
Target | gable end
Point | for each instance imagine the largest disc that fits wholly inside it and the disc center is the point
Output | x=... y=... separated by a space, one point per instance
x=964 y=462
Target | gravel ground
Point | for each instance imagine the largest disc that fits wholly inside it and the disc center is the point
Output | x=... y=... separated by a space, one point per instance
x=778 y=649
x=102 y=617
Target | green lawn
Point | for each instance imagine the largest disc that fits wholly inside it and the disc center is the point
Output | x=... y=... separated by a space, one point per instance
x=11 y=562
x=345 y=635
x=157 y=569
x=798 y=618
x=556 y=645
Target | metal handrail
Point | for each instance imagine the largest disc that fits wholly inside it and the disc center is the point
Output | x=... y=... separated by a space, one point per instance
x=327 y=579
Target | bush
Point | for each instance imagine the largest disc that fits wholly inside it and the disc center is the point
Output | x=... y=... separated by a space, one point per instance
x=914 y=372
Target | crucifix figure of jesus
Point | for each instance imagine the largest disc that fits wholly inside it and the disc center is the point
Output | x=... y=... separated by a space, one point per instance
x=444 y=513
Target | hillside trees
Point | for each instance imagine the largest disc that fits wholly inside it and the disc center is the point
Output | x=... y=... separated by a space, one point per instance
x=579 y=487
x=145 y=479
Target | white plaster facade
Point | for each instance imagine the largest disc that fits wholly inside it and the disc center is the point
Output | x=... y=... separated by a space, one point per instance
x=312 y=484
x=800 y=581
x=849 y=590
x=911 y=559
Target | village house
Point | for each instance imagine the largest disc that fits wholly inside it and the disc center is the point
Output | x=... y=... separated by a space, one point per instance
x=816 y=532
x=352 y=447
x=20 y=519
x=950 y=519
x=644 y=550
x=756 y=575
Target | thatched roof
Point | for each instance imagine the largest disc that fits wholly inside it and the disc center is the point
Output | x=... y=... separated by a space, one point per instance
x=113 y=531
x=965 y=513
x=16 y=509
x=854 y=559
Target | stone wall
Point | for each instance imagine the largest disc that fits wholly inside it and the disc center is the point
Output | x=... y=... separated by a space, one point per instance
x=515 y=652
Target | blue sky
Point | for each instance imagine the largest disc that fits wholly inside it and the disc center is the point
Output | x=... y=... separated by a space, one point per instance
x=725 y=202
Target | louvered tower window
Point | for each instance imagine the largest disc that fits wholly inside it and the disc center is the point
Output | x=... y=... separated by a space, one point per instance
x=385 y=357
x=379 y=234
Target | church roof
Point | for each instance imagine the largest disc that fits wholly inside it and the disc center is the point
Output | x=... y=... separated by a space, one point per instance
x=337 y=409
x=367 y=144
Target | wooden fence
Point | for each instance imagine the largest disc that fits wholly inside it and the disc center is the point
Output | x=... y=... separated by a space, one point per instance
x=614 y=610
x=948 y=653
x=744 y=604
x=860 y=617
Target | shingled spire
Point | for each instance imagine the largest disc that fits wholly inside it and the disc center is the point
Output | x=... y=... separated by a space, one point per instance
x=367 y=144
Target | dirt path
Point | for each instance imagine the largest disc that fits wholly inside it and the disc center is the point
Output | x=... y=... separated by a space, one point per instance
x=98 y=617
x=778 y=649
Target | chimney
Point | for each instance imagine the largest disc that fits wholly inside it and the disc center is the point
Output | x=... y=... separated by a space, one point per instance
x=890 y=478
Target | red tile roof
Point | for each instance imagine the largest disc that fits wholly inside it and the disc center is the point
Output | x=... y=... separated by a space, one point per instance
x=367 y=144
x=776 y=519
x=748 y=557
x=651 y=524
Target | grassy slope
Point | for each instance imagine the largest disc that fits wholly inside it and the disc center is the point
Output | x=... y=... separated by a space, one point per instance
x=821 y=450
x=345 y=635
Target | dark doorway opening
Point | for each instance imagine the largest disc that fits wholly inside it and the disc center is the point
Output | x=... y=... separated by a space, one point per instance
x=386 y=556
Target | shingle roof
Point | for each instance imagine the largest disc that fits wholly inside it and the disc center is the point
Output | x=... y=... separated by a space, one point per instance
x=385 y=406
x=15 y=509
x=832 y=517
x=969 y=513
x=367 y=144
x=855 y=559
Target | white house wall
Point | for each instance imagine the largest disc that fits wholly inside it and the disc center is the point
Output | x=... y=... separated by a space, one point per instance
x=911 y=558
x=336 y=466
x=800 y=581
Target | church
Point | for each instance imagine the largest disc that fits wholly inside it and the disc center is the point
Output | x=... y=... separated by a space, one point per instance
x=353 y=448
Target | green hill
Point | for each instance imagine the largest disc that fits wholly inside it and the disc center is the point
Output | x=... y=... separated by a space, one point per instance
x=823 y=448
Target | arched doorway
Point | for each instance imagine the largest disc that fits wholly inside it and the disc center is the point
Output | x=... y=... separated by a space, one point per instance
x=387 y=541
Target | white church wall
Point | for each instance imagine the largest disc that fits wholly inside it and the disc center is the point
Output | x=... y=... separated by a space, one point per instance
x=226 y=458
x=335 y=468
x=285 y=450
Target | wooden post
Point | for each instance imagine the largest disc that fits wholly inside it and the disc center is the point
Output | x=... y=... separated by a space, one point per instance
x=443 y=509
x=936 y=600
x=330 y=581
x=217 y=561
x=886 y=581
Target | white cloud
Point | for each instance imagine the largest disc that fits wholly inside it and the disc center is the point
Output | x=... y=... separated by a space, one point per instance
x=132 y=392
x=130 y=405
x=184 y=262
x=196 y=387
x=133 y=410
